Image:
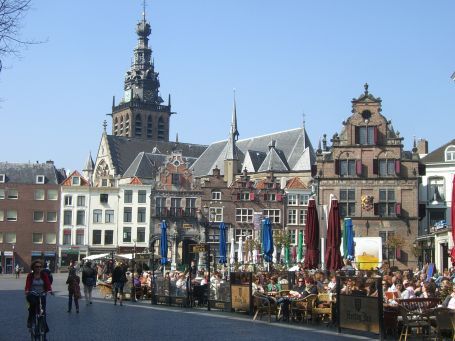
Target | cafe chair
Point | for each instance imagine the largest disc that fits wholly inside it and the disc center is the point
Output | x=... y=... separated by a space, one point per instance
x=265 y=305
x=444 y=322
x=302 y=309
x=413 y=320
x=322 y=309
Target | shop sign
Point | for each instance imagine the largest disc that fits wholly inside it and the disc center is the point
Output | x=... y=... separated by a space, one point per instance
x=359 y=313
x=196 y=248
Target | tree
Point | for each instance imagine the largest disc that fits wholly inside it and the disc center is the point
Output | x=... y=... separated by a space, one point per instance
x=12 y=13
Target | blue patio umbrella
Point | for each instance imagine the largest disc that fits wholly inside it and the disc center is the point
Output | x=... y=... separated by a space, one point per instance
x=163 y=242
x=348 y=239
x=267 y=239
x=223 y=259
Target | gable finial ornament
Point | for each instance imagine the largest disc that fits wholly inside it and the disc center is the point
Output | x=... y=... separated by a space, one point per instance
x=366 y=88
x=104 y=125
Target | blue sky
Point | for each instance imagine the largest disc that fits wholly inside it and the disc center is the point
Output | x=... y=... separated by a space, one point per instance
x=284 y=58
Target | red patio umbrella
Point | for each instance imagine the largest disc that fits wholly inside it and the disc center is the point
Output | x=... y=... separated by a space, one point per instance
x=452 y=213
x=312 y=237
x=332 y=255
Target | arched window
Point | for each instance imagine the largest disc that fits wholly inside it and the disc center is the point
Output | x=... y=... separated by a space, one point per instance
x=127 y=124
x=138 y=126
x=160 y=129
x=149 y=127
x=115 y=126
x=450 y=153
x=120 y=130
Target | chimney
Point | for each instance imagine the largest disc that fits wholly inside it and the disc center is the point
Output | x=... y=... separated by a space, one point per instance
x=49 y=162
x=422 y=146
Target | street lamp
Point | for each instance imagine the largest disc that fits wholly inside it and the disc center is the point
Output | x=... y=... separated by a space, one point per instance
x=14 y=258
x=202 y=218
x=134 y=271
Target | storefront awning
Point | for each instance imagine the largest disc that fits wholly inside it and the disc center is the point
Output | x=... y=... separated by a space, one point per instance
x=70 y=252
x=36 y=253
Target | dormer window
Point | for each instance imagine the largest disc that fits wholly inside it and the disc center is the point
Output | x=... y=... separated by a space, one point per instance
x=449 y=154
x=2 y=178
x=76 y=180
x=40 y=179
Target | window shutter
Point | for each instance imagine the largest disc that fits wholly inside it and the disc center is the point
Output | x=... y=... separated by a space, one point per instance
x=238 y=196
x=358 y=167
x=375 y=136
x=397 y=167
x=398 y=253
x=375 y=166
x=376 y=208
x=422 y=169
x=337 y=167
x=314 y=170
x=357 y=135
x=422 y=211
x=279 y=197
x=252 y=196
x=398 y=209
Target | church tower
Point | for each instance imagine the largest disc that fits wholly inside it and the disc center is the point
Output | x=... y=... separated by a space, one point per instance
x=140 y=113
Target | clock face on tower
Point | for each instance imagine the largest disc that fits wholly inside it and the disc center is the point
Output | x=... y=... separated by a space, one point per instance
x=127 y=95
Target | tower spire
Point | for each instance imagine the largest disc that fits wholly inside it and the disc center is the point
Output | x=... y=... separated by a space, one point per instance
x=234 y=130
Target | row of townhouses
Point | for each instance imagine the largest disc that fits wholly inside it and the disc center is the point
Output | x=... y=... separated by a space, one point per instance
x=140 y=178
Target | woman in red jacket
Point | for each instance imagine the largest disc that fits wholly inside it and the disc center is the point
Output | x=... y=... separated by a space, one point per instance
x=37 y=281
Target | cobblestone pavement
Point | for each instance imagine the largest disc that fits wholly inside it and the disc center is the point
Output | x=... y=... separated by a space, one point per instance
x=141 y=321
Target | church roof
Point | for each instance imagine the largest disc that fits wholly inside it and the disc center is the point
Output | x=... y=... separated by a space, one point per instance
x=124 y=150
x=290 y=145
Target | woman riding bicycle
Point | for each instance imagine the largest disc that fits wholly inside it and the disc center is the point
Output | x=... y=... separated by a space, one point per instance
x=37 y=282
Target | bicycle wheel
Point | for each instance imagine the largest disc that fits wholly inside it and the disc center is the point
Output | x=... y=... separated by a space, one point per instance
x=41 y=329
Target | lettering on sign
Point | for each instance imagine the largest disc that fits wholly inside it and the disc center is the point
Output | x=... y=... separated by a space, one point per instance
x=187 y=226
x=219 y=305
x=359 y=313
x=199 y=248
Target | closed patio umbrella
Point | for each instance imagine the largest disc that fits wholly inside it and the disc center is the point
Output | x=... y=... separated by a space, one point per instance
x=267 y=240
x=255 y=256
x=232 y=252
x=348 y=239
x=240 y=251
x=333 y=259
x=312 y=237
x=163 y=242
x=300 y=247
x=223 y=259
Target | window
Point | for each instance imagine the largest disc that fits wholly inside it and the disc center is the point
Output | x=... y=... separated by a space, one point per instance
x=127 y=234
x=79 y=237
x=109 y=216
x=96 y=237
x=2 y=194
x=366 y=135
x=388 y=251
x=10 y=237
x=274 y=215
x=436 y=215
x=127 y=214
x=160 y=206
x=104 y=183
x=2 y=215
x=51 y=217
x=292 y=216
x=38 y=216
x=175 y=179
x=302 y=216
x=386 y=204
x=97 y=216
x=67 y=217
x=81 y=200
x=76 y=181
x=2 y=178
x=244 y=215
x=40 y=179
x=50 y=238
x=141 y=216
x=68 y=200
x=216 y=214
x=303 y=199
x=52 y=194
x=12 y=194
x=347 y=167
x=11 y=215
x=292 y=199
x=216 y=195
x=140 y=237
x=270 y=197
x=386 y=167
x=108 y=237
x=66 y=237
x=175 y=206
x=450 y=153
x=436 y=191
x=244 y=196
x=37 y=238
x=104 y=198
x=39 y=194
x=80 y=217
x=243 y=233
x=190 y=207
x=142 y=197
x=347 y=202
x=128 y=196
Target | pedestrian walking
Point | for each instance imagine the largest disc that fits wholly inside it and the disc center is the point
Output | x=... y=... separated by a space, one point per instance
x=89 y=281
x=74 y=290
x=17 y=270
x=118 y=281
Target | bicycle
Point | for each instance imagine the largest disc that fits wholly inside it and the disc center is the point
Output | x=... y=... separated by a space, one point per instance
x=38 y=327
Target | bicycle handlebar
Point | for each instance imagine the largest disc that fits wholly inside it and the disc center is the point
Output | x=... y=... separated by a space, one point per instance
x=35 y=293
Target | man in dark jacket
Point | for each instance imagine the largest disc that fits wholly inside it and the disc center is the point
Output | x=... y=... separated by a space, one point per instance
x=89 y=281
x=118 y=281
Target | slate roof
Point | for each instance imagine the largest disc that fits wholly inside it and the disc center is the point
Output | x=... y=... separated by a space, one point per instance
x=437 y=155
x=25 y=173
x=292 y=146
x=125 y=150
